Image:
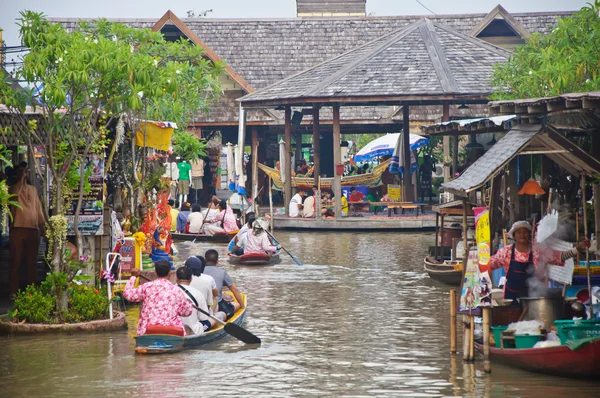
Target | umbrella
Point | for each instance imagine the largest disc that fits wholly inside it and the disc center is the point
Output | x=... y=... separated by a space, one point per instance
x=397 y=164
x=230 y=167
x=385 y=146
x=282 y=160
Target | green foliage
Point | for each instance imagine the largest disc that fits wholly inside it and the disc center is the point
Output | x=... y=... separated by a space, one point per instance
x=87 y=304
x=188 y=146
x=33 y=305
x=565 y=60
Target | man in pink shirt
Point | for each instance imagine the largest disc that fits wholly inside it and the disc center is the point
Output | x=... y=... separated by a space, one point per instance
x=163 y=303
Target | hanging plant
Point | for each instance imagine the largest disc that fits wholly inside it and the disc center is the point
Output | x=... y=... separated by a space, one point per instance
x=56 y=231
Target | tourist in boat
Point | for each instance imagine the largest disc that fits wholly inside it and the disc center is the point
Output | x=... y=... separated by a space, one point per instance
x=195 y=219
x=256 y=241
x=222 y=278
x=523 y=260
x=309 y=207
x=182 y=217
x=205 y=284
x=173 y=210
x=250 y=218
x=295 y=207
x=224 y=222
x=197 y=322
x=163 y=303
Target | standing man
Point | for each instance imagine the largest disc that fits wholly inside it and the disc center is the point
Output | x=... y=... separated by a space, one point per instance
x=295 y=208
x=222 y=278
x=163 y=303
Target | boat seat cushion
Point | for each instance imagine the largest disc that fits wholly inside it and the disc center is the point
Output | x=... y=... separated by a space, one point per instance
x=160 y=329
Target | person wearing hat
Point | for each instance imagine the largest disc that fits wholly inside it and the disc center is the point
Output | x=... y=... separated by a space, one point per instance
x=256 y=241
x=205 y=284
x=522 y=259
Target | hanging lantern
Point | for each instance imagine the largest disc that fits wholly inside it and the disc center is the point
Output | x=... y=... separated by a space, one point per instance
x=531 y=187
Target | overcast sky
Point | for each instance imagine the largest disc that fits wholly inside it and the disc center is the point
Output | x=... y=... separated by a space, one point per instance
x=9 y=9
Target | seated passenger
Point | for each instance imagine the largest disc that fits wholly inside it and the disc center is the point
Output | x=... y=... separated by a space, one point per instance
x=182 y=217
x=222 y=278
x=224 y=222
x=309 y=206
x=205 y=284
x=256 y=241
x=163 y=303
x=250 y=217
x=195 y=219
x=197 y=322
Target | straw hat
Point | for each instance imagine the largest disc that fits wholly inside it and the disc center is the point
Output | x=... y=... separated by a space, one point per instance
x=260 y=223
x=519 y=225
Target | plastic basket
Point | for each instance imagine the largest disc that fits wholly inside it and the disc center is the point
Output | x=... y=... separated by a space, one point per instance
x=576 y=332
x=568 y=328
x=497 y=330
x=527 y=340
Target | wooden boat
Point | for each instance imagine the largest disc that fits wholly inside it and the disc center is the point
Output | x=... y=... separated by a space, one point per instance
x=449 y=273
x=219 y=238
x=255 y=259
x=560 y=361
x=369 y=179
x=167 y=343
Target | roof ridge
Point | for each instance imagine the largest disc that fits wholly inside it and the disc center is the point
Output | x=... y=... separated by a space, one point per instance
x=437 y=55
x=396 y=35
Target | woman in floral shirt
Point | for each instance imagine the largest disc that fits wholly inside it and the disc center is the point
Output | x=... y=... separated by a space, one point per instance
x=163 y=303
x=224 y=222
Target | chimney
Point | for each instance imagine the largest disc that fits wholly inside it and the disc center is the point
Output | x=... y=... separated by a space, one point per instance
x=331 y=8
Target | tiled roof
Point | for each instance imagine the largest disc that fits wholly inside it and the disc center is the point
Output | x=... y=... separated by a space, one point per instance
x=422 y=59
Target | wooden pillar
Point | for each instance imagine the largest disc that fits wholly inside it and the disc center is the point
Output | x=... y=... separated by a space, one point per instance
x=287 y=161
x=455 y=155
x=337 y=159
x=298 y=138
x=515 y=206
x=254 y=165
x=446 y=143
x=487 y=367
x=453 y=321
x=316 y=142
x=407 y=189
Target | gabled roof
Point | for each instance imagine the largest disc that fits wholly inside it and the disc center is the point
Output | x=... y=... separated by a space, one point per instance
x=500 y=13
x=170 y=18
x=422 y=61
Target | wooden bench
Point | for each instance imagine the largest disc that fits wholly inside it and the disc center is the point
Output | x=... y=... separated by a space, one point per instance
x=398 y=205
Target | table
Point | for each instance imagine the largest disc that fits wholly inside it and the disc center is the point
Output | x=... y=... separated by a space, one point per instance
x=399 y=205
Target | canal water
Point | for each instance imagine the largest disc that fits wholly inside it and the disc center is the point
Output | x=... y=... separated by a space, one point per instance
x=359 y=319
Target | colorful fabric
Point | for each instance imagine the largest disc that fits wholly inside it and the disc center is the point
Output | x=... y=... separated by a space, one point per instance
x=502 y=258
x=174 y=216
x=157 y=135
x=162 y=303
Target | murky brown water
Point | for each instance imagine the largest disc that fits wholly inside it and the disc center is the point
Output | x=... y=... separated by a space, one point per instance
x=360 y=318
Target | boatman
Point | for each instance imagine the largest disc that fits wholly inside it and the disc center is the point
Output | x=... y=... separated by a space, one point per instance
x=256 y=241
x=250 y=217
x=222 y=278
x=523 y=260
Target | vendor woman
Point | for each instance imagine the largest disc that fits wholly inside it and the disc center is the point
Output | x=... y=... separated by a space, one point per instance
x=518 y=258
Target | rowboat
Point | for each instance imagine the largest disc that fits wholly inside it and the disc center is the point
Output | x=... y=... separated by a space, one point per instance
x=255 y=259
x=583 y=362
x=449 y=273
x=218 y=238
x=167 y=343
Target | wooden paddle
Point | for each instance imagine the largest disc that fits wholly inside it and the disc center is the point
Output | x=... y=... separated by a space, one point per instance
x=202 y=225
x=289 y=254
x=230 y=328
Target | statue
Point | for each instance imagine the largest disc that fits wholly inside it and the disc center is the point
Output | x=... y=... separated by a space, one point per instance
x=158 y=247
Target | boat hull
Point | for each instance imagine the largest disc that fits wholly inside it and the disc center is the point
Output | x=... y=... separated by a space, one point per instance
x=224 y=238
x=443 y=273
x=558 y=361
x=255 y=259
x=167 y=343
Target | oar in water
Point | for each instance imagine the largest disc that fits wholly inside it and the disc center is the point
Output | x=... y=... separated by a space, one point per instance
x=230 y=328
x=289 y=254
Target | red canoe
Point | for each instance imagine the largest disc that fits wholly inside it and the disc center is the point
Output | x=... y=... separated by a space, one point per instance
x=255 y=259
x=559 y=361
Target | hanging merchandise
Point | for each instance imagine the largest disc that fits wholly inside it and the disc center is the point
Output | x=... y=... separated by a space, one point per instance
x=155 y=135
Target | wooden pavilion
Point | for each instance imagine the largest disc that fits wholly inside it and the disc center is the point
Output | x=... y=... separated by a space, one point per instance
x=425 y=63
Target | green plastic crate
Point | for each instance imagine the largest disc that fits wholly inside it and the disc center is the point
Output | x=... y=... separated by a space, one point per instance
x=527 y=340
x=576 y=332
x=568 y=328
x=497 y=330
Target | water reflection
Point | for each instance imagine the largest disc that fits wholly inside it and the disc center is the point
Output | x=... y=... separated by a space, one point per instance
x=360 y=318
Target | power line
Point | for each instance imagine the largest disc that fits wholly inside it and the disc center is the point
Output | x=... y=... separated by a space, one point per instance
x=425 y=7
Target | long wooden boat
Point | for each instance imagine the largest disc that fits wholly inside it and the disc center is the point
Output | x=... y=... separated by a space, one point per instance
x=448 y=273
x=370 y=179
x=255 y=259
x=168 y=343
x=560 y=361
x=220 y=238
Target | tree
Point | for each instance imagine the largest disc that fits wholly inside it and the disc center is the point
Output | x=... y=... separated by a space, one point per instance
x=565 y=60
x=86 y=79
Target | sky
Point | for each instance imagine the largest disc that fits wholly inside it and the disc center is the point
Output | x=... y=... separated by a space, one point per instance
x=9 y=9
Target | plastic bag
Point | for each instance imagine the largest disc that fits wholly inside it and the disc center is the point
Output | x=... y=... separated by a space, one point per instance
x=526 y=327
x=546 y=344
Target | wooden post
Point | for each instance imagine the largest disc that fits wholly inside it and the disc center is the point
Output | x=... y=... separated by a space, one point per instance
x=487 y=367
x=466 y=335
x=441 y=244
x=453 y=321
x=337 y=159
x=587 y=251
x=446 y=142
x=316 y=142
x=471 y=338
x=255 y=167
x=271 y=201
x=455 y=155
x=437 y=232
x=465 y=228
x=407 y=191
x=287 y=161
x=514 y=209
x=298 y=149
